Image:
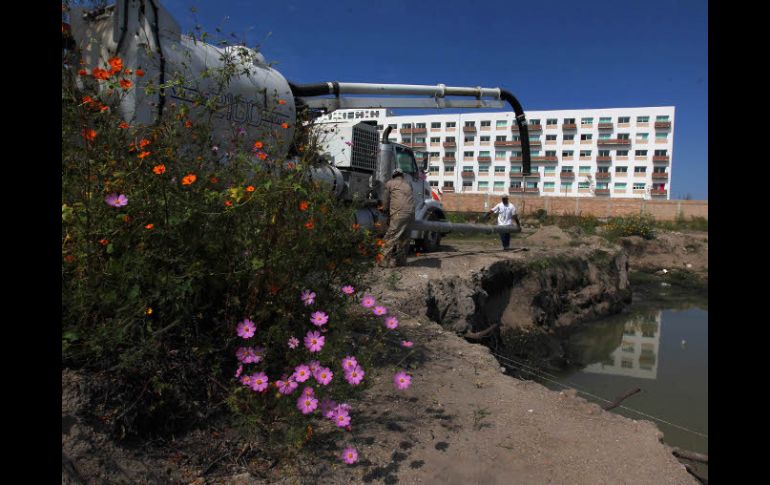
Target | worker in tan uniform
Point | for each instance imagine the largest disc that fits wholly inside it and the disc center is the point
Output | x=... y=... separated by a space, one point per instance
x=398 y=205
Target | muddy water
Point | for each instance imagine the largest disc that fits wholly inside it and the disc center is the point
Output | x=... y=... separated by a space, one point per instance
x=659 y=346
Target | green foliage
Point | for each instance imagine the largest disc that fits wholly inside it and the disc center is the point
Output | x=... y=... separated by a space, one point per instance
x=152 y=291
x=682 y=223
x=641 y=225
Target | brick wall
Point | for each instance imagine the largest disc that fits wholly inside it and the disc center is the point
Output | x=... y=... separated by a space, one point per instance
x=600 y=207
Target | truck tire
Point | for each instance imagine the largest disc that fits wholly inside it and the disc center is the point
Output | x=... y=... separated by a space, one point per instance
x=432 y=240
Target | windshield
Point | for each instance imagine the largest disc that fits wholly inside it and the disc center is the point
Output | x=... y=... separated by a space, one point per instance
x=405 y=161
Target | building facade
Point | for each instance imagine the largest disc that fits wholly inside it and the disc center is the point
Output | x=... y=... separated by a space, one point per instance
x=614 y=152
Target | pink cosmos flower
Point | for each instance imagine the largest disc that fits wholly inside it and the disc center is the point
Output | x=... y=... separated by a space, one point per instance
x=391 y=322
x=307 y=404
x=324 y=376
x=249 y=355
x=406 y=343
x=301 y=373
x=343 y=408
x=259 y=382
x=319 y=318
x=308 y=297
x=349 y=363
x=115 y=200
x=238 y=372
x=314 y=366
x=402 y=380
x=380 y=310
x=308 y=391
x=341 y=419
x=246 y=328
x=355 y=376
x=368 y=301
x=293 y=342
x=350 y=455
x=348 y=290
x=287 y=386
x=314 y=342
x=246 y=380
x=327 y=408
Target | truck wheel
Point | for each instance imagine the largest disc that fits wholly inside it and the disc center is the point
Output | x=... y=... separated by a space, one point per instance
x=432 y=240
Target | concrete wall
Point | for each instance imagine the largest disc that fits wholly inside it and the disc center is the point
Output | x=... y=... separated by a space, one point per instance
x=600 y=207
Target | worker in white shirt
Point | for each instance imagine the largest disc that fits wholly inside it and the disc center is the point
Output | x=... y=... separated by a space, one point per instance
x=506 y=214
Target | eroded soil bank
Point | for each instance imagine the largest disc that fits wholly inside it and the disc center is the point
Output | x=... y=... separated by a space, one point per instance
x=463 y=420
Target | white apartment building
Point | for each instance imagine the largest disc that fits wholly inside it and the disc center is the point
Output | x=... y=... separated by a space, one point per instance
x=639 y=352
x=612 y=152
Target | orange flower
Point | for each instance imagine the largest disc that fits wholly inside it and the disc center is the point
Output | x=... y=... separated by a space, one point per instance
x=188 y=124
x=143 y=142
x=139 y=72
x=148 y=311
x=144 y=154
x=125 y=83
x=213 y=180
x=99 y=73
x=82 y=72
x=250 y=188
x=104 y=108
x=116 y=64
x=228 y=203
x=126 y=218
x=149 y=226
x=284 y=125
x=378 y=257
x=159 y=169
x=262 y=156
x=309 y=224
x=69 y=258
x=127 y=71
x=304 y=205
x=258 y=145
x=104 y=242
x=88 y=100
x=189 y=179
x=290 y=165
x=280 y=101
x=89 y=134
x=356 y=227
x=381 y=243
x=123 y=125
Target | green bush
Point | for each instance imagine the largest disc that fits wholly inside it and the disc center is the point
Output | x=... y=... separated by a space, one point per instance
x=155 y=282
x=641 y=225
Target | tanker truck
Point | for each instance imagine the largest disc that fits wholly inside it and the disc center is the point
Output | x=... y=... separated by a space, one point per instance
x=259 y=100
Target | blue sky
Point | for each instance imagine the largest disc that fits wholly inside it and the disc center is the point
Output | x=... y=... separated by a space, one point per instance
x=557 y=54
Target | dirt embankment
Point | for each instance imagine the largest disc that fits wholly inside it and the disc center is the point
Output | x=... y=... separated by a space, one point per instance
x=463 y=420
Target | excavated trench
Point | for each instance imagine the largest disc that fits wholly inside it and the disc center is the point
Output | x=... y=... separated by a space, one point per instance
x=524 y=307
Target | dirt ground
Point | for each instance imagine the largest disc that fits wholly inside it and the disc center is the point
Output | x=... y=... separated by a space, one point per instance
x=463 y=420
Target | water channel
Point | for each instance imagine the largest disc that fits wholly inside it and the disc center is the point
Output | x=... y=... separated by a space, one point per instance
x=658 y=344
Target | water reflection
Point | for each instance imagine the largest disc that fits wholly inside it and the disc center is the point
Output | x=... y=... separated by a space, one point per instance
x=637 y=352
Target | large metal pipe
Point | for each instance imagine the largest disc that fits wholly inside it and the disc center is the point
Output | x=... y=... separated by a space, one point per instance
x=446 y=227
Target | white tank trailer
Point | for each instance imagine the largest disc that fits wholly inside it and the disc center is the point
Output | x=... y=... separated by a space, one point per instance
x=357 y=161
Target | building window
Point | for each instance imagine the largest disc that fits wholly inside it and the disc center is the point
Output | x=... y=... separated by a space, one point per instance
x=569 y=137
x=659 y=170
x=515 y=168
x=550 y=169
x=499 y=155
x=451 y=124
x=484 y=138
x=620 y=185
x=433 y=169
x=604 y=136
x=449 y=169
x=602 y=185
x=500 y=138
x=467 y=184
x=499 y=186
x=584 y=185
x=603 y=169
x=501 y=123
x=623 y=136
x=586 y=136
x=515 y=138
x=450 y=139
x=640 y=153
x=515 y=154
x=419 y=139
x=583 y=169
x=534 y=122
x=640 y=169
x=550 y=153
x=467 y=168
x=586 y=121
x=449 y=154
x=661 y=136
x=568 y=153
x=661 y=118
x=566 y=186
x=435 y=139
x=605 y=119
x=483 y=168
x=406 y=125
x=551 y=122
x=621 y=169
x=486 y=123
x=499 y=169
x=435 y=125
x=420 y=125
x=642 y=136
x=470 y=123
x=550 y=137
x=585 y=153
x=569 y=121
x=534 y=137
x=604 y=153
x=661 y=153
x=549 y=185
x=566 y=168
x=515 y=184
x=469 y=139
x=483 y=185
x=433 y=183
x=624 y=119
x=639 y=186
x=468 y=154
x=484 y=154
x=642 y=119
x=621 y=153
x=531 y=185
x=449 y=183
